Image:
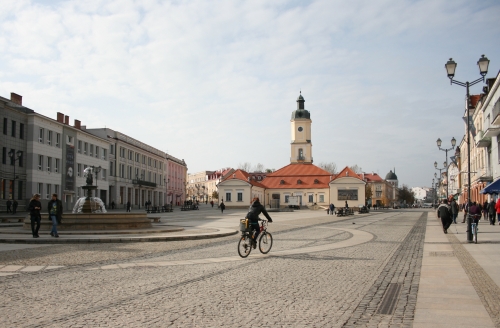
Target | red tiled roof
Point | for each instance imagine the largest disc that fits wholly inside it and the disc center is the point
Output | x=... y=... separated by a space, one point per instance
x=244 y=176
x=310 y=176
x=347 y=172
x=373 y=177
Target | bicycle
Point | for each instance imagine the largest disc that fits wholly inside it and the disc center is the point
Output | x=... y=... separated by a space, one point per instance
x=245 y=244
x=474 y=227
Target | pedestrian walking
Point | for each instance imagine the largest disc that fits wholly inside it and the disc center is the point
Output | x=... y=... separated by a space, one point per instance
x=332 y=208
x=491 y=211
x=346 y=205
x=444 y=213
x=466 y=210
x=497 y=208
x=14 y=206
x=222 y=206
x=9 y=204
x=55 y=214
x=113 y=205
x=34 y=207
x=212 y=203
x=128 y=206
x=454 y=210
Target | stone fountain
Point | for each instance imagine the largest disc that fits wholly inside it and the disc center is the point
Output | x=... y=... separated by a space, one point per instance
x=89 y=213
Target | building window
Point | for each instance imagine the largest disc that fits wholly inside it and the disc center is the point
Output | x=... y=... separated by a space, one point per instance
x=58 y=141
x=149 y=161
x=4 y=155
x=21 y=131
x=49 y=137
x=240 y=196
x=137 y=157
x=49 y=163
x=321 y=198
x=122 y=152
x=40 y=163
x=103 y=174
x=5 y=122
x=311 y=198
x=85 y=148
x=56 y=190
x=143 y=159
x=149 y=176
x=129 y=172
x=56 y=168
x=97 y=151
x=40 y=189
x=112 y=149
x=130 y=155
x=91 y=152
x=156 y=162
x=104 y=154
x=13 y=132
x=40 y=135
x=228 y=196
x=122 y=171
x=48 y=191
x=79 y=170
x=80 y=146
x=21 y=158
x=111 y=169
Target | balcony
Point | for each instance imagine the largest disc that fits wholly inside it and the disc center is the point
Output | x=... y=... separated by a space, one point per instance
x=481 y=140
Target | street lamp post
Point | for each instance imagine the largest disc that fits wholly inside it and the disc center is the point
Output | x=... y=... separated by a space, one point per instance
x=440 y=174
x=433 y=193
x=14 y=157
x=453 y=143
x=451 y=66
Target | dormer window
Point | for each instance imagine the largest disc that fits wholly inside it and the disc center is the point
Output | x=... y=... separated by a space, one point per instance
x=316 y=181
x=299 y=181
x=282 y=182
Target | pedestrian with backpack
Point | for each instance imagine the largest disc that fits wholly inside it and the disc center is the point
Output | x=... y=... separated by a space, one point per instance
x=454 y=210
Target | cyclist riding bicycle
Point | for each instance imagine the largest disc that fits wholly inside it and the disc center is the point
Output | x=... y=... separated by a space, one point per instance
x=475 y=212
x=253 y=216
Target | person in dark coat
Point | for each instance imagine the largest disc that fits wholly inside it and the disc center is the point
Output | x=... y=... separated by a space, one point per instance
x=55 y=210
x=128 y=206
x=14 y=206
x=113 y=205
x=454 y=210
x=34 y=207
x=222 y=206
x=253 y=216
x=491 y=211
x=9 y=204
x=332 y=208
x=444 y=213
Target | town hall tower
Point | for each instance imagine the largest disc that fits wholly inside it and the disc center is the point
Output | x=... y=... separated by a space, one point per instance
x=301 y=147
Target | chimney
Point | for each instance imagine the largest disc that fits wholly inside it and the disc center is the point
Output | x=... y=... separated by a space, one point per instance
x=60 y=117
x=78 y=124
x=15 y=98
x=66 y=119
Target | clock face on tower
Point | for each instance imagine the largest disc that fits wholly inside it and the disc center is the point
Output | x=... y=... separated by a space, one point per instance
x=300 y=129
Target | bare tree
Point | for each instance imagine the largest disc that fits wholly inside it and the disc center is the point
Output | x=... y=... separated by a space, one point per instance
x=356 y=169
x=245 y=166
x=259 y=167
x=270 y=170
x=330 y=167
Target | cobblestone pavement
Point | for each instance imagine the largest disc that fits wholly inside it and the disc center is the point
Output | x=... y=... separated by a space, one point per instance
x=329 y=288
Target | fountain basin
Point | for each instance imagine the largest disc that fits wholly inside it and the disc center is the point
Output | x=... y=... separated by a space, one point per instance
x=94 y=221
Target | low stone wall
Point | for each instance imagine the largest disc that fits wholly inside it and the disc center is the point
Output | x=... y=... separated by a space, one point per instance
x=97 y=221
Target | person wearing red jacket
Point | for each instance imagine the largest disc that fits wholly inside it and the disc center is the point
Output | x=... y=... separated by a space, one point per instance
x=497 y=207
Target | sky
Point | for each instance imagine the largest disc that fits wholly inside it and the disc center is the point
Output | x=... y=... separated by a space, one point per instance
x=215 y=82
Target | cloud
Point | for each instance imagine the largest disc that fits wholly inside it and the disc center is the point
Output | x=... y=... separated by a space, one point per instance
x=215 y=82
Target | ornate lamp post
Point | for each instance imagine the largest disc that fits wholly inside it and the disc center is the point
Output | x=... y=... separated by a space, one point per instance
x=13 y=158
x=440 y=174
x=453 y=143
x=451 y=66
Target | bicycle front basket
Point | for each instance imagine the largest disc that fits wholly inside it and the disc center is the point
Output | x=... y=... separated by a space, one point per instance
x=245 y=225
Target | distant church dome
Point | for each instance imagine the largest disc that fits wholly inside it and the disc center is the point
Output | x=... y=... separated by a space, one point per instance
x=391 y=176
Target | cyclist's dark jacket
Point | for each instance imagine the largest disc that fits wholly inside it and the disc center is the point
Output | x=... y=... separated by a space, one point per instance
x=444 y=211
x=254 y=211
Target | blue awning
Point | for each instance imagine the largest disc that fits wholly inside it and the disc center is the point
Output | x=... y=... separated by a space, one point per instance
x=492 y=188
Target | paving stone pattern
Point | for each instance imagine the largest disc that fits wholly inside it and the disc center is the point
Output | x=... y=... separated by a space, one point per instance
x=321 y=289
x=486 y=288
x=403 y=268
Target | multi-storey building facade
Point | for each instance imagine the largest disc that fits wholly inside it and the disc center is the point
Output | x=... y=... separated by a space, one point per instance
x=383 y=193
x=136 y=170
x=48 y=162
x=176 y=180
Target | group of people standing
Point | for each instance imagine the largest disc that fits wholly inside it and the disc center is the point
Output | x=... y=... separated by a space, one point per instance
x=12 y=206
x=54 y=209
x=448 y=212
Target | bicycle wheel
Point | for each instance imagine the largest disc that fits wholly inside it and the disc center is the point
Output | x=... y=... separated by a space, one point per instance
x=265 y=242
x=245 y=246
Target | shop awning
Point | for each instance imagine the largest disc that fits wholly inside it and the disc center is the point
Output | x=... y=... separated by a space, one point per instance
x=492 y=188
